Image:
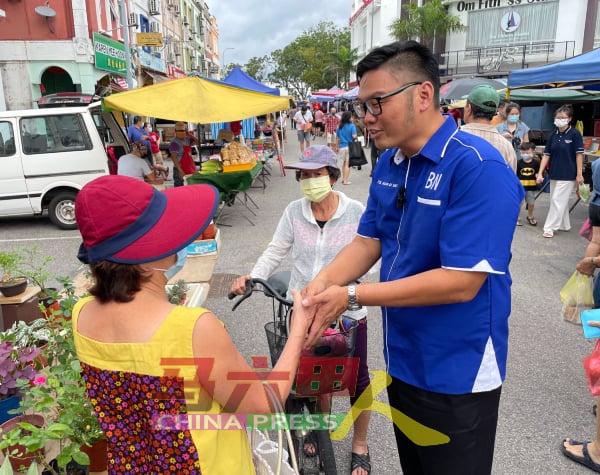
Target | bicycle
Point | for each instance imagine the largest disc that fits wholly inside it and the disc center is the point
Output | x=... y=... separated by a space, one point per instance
x=305 y=399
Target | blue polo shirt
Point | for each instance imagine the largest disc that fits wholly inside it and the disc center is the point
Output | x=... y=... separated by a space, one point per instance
x=562 y=147
x=462 y=203
x=345 y=134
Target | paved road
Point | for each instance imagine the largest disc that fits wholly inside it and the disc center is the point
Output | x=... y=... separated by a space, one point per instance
x=544 y=398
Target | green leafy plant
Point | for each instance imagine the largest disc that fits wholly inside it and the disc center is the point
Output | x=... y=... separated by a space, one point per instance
x=32 y=334
x=9 y=263
x=58 y=394
x=177 y=292
x=6 y=468
x=36 y=268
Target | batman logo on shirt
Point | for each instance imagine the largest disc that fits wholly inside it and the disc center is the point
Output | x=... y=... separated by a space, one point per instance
x=527 y=172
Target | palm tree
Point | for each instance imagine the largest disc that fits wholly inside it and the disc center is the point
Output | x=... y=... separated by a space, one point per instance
x=342 y=64
x=426 y=23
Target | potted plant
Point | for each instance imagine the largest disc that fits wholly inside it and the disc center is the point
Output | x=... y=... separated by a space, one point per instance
x=36 y=268
x=177 y=293
x=58 y=394
x=11 y=283
x=15 y=364
x=35 y=334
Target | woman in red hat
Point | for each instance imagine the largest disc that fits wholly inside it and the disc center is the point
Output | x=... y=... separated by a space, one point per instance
x=156 y=372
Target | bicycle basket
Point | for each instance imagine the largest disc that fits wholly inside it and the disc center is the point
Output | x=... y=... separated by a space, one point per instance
x=276 y=338
x=338 y=342
x=326 y=368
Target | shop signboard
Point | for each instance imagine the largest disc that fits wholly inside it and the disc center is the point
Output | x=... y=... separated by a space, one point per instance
x=109 y=54
x=149 y=39
x=151 y=61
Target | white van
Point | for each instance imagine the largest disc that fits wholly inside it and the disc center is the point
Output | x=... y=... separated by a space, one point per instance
x=47 y=155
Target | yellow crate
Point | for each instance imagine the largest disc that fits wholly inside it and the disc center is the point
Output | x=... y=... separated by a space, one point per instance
x=239 y=168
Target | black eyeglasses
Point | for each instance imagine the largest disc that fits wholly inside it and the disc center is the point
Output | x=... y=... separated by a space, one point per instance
x=180 y=130
x=373 y=105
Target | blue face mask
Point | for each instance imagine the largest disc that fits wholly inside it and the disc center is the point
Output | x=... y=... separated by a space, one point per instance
x=175 y=268
x=513 y=118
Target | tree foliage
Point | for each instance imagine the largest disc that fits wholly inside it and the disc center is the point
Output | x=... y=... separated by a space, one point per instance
x=341 y=63
x=310 y=61
x=425 y=23
x=256 y=67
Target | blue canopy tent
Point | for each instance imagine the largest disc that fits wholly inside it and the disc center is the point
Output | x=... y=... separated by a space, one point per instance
x=239 y=78
x=582 y=70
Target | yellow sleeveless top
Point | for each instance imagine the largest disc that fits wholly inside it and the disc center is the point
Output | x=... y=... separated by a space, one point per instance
x=144 y=394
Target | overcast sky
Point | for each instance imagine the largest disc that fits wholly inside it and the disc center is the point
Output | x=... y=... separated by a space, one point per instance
x=258 y=27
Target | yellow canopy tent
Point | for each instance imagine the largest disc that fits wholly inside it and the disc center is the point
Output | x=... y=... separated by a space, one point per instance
x=196 y=99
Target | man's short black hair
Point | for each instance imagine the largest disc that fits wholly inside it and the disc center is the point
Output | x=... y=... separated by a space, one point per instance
x=478 y=113
x=410 y=56
x=136 y=119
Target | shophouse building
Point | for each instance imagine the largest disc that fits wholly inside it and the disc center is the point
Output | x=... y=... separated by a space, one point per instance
x=79 y=46
x=501 y=35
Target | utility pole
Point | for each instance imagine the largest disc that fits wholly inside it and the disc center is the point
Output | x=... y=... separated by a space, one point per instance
x=125 y=26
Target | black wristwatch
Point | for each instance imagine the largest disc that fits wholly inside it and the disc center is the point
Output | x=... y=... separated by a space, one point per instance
x=352 y=300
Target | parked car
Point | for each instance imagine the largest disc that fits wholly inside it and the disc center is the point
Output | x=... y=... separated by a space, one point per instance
x=49 y=154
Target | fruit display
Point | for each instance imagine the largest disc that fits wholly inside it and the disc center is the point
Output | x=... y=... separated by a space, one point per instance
x=210 y=166
x=237 y=154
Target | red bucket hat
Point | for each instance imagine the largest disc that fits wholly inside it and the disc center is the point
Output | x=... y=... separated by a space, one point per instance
x=125 y=220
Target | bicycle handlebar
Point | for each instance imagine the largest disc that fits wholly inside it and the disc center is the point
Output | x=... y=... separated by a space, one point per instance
x=250 y=283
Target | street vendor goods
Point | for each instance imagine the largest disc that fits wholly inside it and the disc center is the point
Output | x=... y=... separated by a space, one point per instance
x=237 y=154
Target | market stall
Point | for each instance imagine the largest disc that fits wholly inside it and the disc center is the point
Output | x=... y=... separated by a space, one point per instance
x=196 y=99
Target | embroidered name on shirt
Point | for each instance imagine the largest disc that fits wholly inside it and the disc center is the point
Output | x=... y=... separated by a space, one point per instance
x=433 y=181
x=387 y=183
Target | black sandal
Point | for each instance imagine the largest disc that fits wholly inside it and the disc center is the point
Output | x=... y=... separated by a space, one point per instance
x=531 y=221
x=360 y=461
x=310 y=445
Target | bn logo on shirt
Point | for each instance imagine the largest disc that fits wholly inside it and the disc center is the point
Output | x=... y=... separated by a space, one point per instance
x=433 y=181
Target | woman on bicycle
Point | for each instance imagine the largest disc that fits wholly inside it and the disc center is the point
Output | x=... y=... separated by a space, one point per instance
x=313 y=229
x=155 y=371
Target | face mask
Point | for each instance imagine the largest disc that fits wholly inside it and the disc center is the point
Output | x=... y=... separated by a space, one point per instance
x=560 y=123
x=526 y=156
x=149 y=129
x=316 y=189
x=513 y=118
x=175 y=268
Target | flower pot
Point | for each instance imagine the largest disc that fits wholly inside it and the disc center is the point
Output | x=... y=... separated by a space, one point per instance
x=15 y=287
x=50 y=306
x=11 y=402
x=25 y=459
x=97 y=455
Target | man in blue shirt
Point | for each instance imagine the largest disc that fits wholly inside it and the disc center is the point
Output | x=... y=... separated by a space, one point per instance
x=441 y=216
x=136 y=133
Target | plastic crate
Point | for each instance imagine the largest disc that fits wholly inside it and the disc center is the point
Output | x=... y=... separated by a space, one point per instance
x=238 y=168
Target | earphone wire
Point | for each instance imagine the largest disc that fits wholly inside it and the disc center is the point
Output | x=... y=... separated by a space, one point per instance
x=387 y=333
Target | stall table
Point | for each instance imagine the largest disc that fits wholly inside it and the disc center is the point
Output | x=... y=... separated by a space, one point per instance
x=230 y=184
